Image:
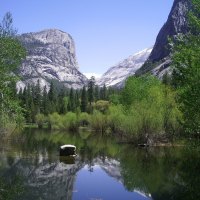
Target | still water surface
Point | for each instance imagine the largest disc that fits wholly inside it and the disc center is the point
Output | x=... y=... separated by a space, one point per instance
x=31 y=169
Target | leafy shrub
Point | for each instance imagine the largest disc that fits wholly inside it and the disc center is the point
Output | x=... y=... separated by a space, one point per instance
x=84 y=119
x=102 y=106
x=150 y=109
x=69 y=121
x=40 y=119
x=55 y=121
x=116 y=117
x=98 y=121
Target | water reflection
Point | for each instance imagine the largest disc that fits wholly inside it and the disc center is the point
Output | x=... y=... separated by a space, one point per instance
x=99 y=184
x=102 y=170
x=69 y=160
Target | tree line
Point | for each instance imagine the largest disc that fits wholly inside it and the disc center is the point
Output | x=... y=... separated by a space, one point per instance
x=37 y=100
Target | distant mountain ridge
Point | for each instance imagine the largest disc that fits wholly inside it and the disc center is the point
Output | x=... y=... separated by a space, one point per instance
x=50 y=56
x=117 y=75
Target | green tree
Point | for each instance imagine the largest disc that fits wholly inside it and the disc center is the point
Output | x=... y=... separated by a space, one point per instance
x=103 y=93
x=6 y=26
x=37 y=97
x=166 y=79
x=52 y=92
x=61 y=106
x=64 y=105
x=28 y=101
x=150 y=108
x=77 y=100
x=52 y=96
x=84 y=100
x=186 y=72
x=91 y=85
x=11 y=55
x=96 y=93
x=71 y=104
x=45 y=102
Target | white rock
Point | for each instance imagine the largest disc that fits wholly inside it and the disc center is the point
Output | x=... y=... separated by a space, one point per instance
x=51 y=55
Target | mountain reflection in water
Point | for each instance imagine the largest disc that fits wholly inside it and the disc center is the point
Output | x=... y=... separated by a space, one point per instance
x=102 y=169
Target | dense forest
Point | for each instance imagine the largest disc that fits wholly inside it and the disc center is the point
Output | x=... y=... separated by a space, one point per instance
x=145 y=110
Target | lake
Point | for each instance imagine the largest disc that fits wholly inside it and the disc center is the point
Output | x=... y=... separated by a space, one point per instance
x=31 y=169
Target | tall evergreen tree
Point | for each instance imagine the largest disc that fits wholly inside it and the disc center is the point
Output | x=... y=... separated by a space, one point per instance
x=20 y=96
x=52 y=96
x=91 y=85
x=37 y=97
x=103 y=93
x=62 y=108
x=71 y=103
x=52 y=92
x=77 y=100
x=96 y=93
x=84 y=100
x=45 y=102
x=28 y=103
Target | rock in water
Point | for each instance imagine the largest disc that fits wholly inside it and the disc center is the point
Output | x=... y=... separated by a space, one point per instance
x=68 y=150
x=51 y=55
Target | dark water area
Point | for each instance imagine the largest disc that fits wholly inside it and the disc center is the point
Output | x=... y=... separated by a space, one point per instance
x=31 y=169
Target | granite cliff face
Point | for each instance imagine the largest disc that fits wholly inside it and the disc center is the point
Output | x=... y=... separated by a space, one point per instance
x=50 y=55
x=177 y=23
x=117 y=75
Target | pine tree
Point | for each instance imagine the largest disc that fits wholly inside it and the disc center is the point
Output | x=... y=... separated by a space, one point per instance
x=84 y=101
x=52 y=96
x=71 y=103
x=96 y=93
x=77 y=100
x=37 y=97
x=91 y=85
x=28 y=103
x=52 y=93
x=20 y=97
x=62 y=108
x=32 y=112
x=103 y=93
x=45 y=102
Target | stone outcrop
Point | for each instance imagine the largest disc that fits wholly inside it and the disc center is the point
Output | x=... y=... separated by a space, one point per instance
x=50 y=56
x=176 y=24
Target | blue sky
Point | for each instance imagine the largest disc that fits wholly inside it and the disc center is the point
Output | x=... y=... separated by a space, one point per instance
x=104 y=31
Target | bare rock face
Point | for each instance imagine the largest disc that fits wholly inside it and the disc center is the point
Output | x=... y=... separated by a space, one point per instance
x=50 y=55
x=176 y=24
x=117 y=75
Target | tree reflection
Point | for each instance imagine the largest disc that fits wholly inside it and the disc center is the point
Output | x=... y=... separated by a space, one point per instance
x=165 y=173
x=11 y=188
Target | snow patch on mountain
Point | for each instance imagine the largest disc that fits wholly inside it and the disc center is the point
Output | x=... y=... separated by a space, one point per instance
x=117 y=74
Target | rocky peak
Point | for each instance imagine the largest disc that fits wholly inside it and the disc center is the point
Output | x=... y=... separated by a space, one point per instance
x=51 y=55
x=176 y=23
x=53 y=36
